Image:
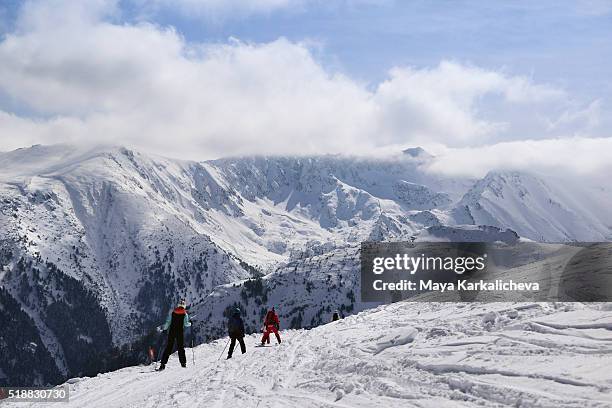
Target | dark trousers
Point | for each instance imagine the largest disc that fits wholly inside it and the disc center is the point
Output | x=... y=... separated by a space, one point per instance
x=172 y=337
x=233 y=344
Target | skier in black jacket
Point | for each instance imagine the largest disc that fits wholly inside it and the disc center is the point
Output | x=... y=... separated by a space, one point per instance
x=235 y=328
x=175 y=324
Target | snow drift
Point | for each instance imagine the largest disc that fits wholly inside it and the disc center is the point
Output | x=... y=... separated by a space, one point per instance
x=400 y=355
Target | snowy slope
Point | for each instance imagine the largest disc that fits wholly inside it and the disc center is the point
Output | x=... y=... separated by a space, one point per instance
x=540 y=210
x=400 y=355
x=107 y=215
x=291 y=202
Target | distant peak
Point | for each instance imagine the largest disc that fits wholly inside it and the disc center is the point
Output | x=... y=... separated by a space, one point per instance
x=417 y=152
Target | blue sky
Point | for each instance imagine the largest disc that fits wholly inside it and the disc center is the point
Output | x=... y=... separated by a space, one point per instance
x=568 y=43
x=227 y=77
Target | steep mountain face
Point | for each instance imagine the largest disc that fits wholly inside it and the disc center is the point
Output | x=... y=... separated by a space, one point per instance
x=305 y=291
x=534 y=208
x=96 y=247
x=97 y=244
x=290 y=202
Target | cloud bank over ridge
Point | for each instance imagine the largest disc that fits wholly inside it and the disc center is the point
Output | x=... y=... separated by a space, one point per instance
x=70 y=73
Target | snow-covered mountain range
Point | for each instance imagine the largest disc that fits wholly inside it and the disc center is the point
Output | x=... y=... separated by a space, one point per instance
x=98 y=243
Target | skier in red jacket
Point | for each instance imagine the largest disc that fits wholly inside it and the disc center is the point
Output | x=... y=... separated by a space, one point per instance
x=271 y=325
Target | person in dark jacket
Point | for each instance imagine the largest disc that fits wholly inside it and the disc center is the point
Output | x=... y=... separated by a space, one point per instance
x=235 y=328
x=175 y=324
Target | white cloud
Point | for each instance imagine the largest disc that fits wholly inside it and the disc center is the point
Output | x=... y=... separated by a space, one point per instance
x=444 y=103
x=574 y=155
x=86 y=78
x=586 y=118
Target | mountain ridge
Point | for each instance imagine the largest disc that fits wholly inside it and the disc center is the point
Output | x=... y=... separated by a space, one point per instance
x=133 y=232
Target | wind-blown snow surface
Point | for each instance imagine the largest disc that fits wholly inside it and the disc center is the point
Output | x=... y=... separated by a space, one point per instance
x=399 y=355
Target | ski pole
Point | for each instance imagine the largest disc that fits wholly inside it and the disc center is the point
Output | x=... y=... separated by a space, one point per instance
x=223 y=349
x=192 y=344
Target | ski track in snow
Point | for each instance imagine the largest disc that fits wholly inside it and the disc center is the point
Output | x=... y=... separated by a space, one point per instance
x=400 y=355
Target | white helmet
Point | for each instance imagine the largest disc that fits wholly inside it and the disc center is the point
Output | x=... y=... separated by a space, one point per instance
x=182 y=303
